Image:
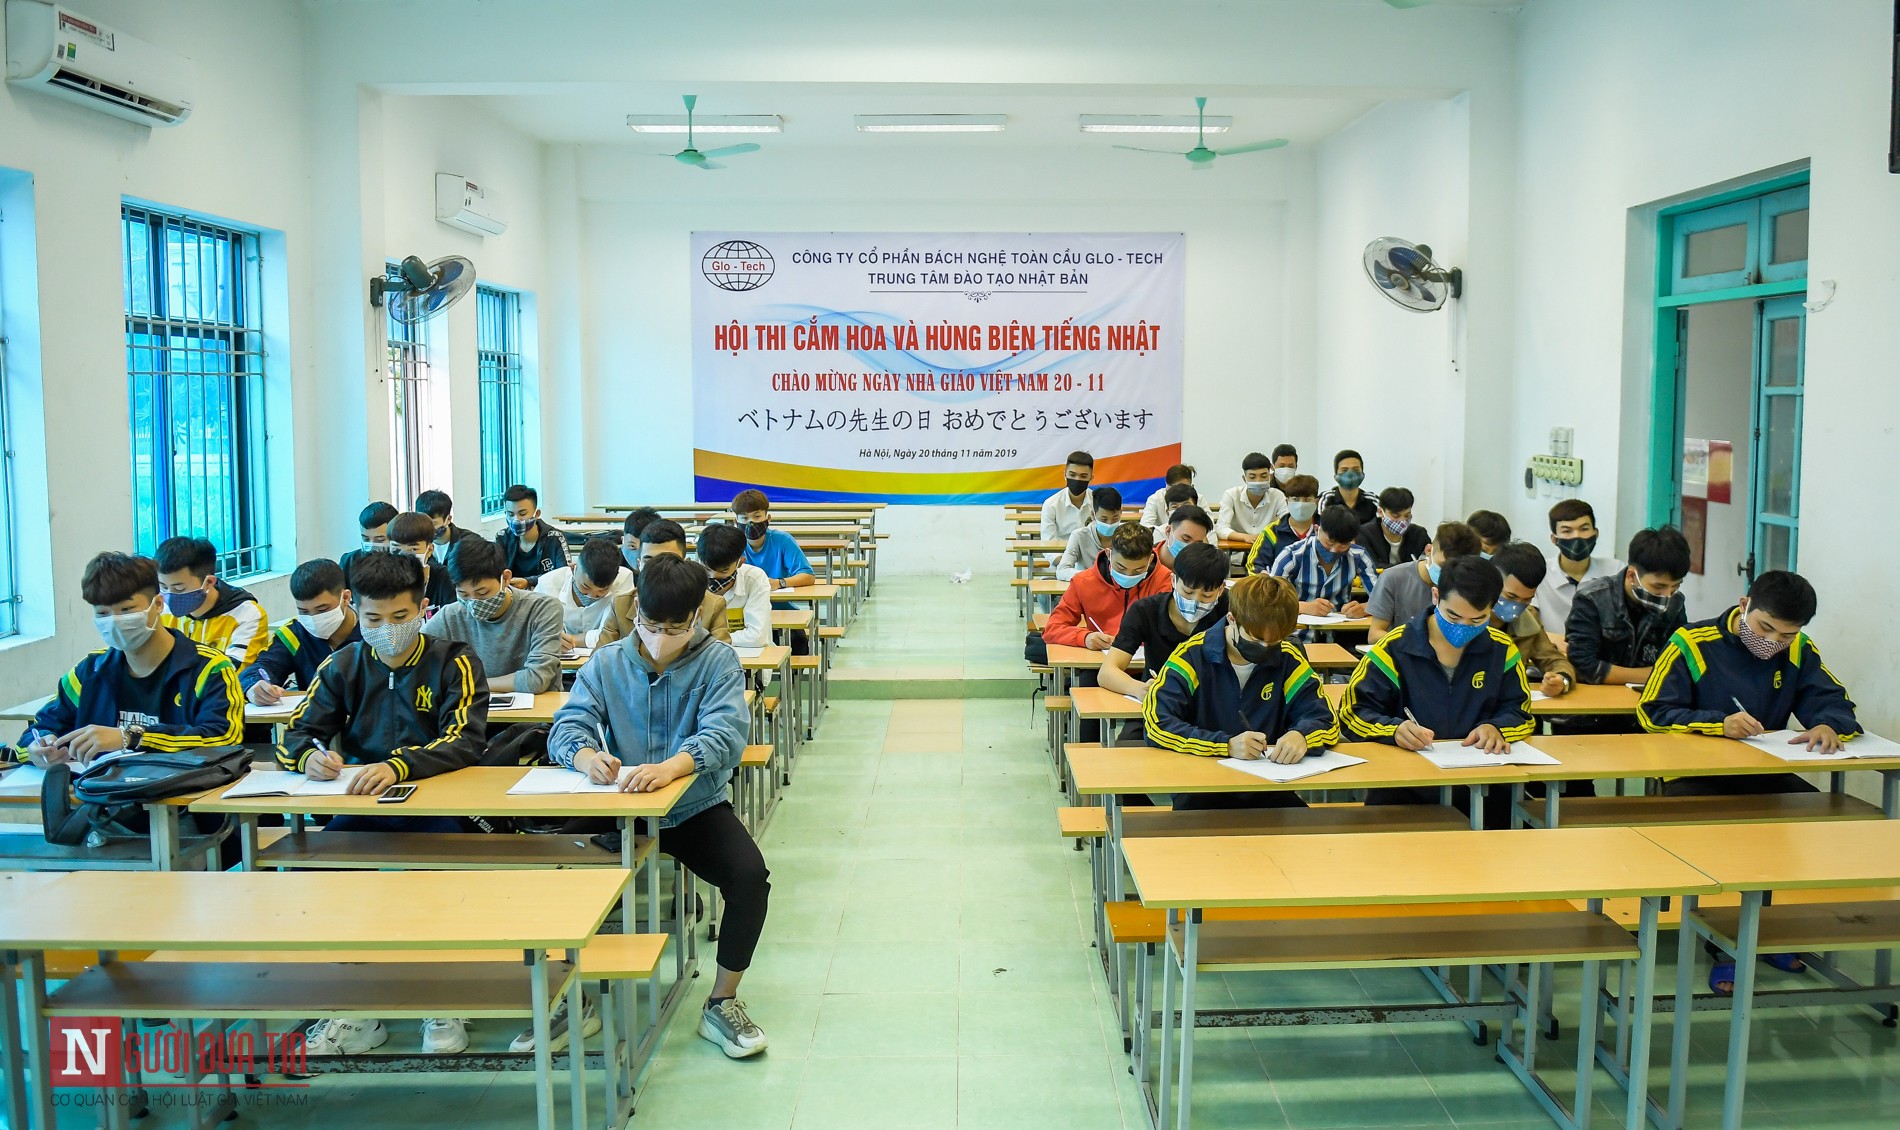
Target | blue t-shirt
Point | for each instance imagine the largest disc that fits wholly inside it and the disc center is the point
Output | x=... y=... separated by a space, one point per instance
x=779 y=556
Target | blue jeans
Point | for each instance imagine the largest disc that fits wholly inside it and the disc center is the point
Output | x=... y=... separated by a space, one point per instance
x=394 y=824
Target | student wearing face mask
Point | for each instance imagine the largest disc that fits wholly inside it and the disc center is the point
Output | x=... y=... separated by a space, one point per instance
x=441 y=511
x=1250 y=509
x=1155 y=625
x=1573 y=531
x=1070 y=508
x=1296 y=523
x=404 y=707
x=775 y=553
x=1522 y=567
x=1349 y=475
x=1493 y=529
x=324 y=622
x=653 y=708
x=1324 y=566
x=152 y=688
x=1619 y=625
x=205 y=608
x=413 y=534
x=1096 y=600
x=743 y=587
x=664 y=538
x=1404 y=592
x=1240 y=688
x=1393 y=538
x=1156 y=510
x=374 y=520
x=1188 y=524
x=585 y=588
x=532 y=548
x=1286 y=462
x=516 y=634
x=1086 y=544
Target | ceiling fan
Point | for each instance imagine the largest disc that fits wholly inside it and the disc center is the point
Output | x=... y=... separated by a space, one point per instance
x=1201 y=157
x=708 y=160
x=1408 y=3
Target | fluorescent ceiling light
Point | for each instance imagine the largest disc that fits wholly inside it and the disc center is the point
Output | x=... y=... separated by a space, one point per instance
x=930 y=123
x=1151 y=123
x=706 y=123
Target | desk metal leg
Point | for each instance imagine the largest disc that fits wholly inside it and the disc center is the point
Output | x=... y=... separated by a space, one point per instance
x=1641 y=1015
x=1890 y=793
x=537 y=962
x=164 y=822
x=1685 y=1011
x=1747 y=935
x=39 y=1056
x=577 y=1047
x=1168 y=957
x=1190 y=957
x=14 y=1062
x=1588 y=1011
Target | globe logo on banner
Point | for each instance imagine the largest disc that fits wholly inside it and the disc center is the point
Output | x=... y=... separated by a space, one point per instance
x=737 y=264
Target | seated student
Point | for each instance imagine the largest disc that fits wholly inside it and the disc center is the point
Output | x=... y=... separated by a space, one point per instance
x=374 y=520
x=1405 y=591
x=1573 y=530
x=1155 y=625
x=414 y=534
x=404 y=708
x=1087 y=543
x=441 y=511
x=1349 y=472
x=666 y=702
x=1241 y=688
x=1188 y=524
x=1297 y=522
x=1619 y=625
x=1070 y=508
x=1323 y=567
x=775 y=552
x=152 y=688
x=743 y=587
x=1096 y=600
x=516 y=634
x=1286 y=462
x=325 y=622
x=1391 y=538
x=1156 y=510
x=664 y=538
x=1494 y=531
x=585 y=588
x=531 y=547
x=1444 y=673
x=1250 y=509
x=206 y=609
x=630 y=530
x=1523 y=569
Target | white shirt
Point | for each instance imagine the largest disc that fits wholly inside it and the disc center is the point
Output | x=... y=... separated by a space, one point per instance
x=576 y=619
x=1555 y=595
x=1085 y=545
x=1155 y=511
x=1241 y=517
x=749 y=607
x=1060 y=517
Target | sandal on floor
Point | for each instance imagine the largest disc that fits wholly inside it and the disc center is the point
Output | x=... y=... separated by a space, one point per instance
x=1786 y=962
x=1722 y=978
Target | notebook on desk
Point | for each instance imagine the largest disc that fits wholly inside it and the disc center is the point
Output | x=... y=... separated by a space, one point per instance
x=276 y=782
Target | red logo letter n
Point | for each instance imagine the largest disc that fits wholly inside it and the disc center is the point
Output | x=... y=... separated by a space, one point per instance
x=86 y=1052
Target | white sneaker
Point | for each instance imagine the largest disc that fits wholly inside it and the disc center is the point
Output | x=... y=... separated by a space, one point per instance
x=727 y=1025
x=444 y=1035
x=342 y=1036
x=557 y=1027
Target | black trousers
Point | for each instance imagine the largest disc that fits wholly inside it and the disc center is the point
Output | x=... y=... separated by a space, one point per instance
x=715 y=846
x=1497 y=798
x=1190 y=802
x=1745 y=785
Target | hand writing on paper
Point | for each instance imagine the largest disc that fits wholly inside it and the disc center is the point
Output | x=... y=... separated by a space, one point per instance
x=1819 y=739
x=1410 y=735
x=1250 y=746
x=1290 y=748
x=1488 y=739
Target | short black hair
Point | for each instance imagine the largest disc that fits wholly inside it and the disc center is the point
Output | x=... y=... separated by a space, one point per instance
x=1491 y=526
x=663 y=531
x=1282 y=450
x=314 y=578
x=1394 y=499
x=112 y=577
x=600 y=561
x=1254 y=461
x=1456 y=539
x=1080 y=459
x=381 y=576
x=1131 y=540
x=1570 y=510
x=1107 y=498
x=1660 y=550
x=1473 y=578
x=1180 y=493
x=1524 y=561
x=638 y=520
x=1201 y=566
x=434 y=503
x=189 y=555
x=1783 y=595
x=1179 y=473
x=720 y=544
x=407 y=529
x=477 y=559
x=1344 y=454
x=1340 y=523
x=1190 y=513
x=671 y=588
x=376 y=514
x=520 y=493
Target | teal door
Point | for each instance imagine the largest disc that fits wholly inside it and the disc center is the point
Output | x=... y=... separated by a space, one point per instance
x=1775 y=493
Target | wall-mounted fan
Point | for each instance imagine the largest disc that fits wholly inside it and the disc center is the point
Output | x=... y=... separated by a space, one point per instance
x=417 y=291
x=707 y=160
x=1406 y=273
x=1201 y=157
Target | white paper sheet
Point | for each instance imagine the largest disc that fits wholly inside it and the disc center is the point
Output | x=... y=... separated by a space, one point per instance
x=510 y=700
x=1539 y=696
x=578 y=653
x=552 y=780
x=270 y=782
x=282 y=708
x=24 y=781
x=1321 y=621
x=1452 y=755
x=1311 y=765
x=749 y=652
x=1775 y=742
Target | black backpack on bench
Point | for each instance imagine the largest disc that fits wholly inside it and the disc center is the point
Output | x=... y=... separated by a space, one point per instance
x=72 y=806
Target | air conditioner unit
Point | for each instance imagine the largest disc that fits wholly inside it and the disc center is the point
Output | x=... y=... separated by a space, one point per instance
x=56 y=50
x=461 y=203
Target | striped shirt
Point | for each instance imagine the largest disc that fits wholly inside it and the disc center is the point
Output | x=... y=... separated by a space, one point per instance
x=1301 y=564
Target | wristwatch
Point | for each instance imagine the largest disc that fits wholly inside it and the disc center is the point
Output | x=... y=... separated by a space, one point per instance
x=133 y=733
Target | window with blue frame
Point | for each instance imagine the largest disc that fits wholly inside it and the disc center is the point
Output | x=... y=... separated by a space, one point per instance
x=408 y=371
x=195 y=360
x=9 y=573
x=498 y=351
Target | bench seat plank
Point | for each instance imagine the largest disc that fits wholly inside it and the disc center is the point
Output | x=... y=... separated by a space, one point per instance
x=1822 y=926
x=1405 y=942
x=1081 y=822
x=1577 y=812
x=292 y=990
x=1293 y=821
x=1130 y=923
x=439 y=851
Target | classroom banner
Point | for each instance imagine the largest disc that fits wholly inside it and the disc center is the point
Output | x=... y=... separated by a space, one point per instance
x=933 y=368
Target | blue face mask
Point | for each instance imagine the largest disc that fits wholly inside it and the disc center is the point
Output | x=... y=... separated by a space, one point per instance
x=1508 y=610
x=185 y=603
x=1104 y=529
x=1483 y=554
x=1329 y=556
x=1350 y=480
x=1190 y=610
x=1457 y=635
x=631 y=557
x=1176 y=545
x=1126 y=580
x=1431 y=570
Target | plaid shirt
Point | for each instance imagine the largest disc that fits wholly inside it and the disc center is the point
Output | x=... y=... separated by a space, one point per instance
x=1301 y=564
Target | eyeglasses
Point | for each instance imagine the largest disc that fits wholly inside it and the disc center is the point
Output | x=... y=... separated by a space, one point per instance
x=664 y=629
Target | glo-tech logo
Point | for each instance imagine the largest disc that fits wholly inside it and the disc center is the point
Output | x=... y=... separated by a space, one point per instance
x=737 y=264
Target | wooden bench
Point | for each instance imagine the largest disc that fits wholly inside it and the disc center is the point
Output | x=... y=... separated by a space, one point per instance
x=1131 y=923
x=753 y=785
x=1628 y=912
x=1490 y=936
x=1082 y=822
x=1792 y=927
x=435 y=851
x=1137 y=821
x=1577 y=812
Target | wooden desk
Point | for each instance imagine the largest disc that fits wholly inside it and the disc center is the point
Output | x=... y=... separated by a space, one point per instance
x=820 y=594
x=545 y=704
x=24 y=711
x=1329 y=657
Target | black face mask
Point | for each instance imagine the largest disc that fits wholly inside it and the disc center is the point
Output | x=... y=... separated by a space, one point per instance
x=719 y=586
x=1649 y=601
x=1077 y=486
x=755 y=530
x=1577 y=549
x=1253 y=651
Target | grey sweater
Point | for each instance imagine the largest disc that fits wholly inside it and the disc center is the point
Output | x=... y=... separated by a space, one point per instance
x=522 y=648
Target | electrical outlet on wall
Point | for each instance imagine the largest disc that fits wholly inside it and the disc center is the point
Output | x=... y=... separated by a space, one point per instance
x=1560 y=470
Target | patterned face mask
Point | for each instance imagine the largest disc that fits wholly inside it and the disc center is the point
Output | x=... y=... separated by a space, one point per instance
x=1758 y=645
x=487 y=607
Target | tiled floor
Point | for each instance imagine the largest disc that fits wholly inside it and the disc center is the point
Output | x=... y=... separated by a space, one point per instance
x=927 y=964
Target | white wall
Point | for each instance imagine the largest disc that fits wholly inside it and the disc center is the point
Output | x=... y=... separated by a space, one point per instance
x=1624 y=102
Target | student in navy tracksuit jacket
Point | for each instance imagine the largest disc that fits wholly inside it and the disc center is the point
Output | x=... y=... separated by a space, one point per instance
x=1241 y=688
x=326 y=621
x=1461 y=680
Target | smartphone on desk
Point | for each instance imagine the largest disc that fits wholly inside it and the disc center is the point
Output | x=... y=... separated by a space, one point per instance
x=396 y=794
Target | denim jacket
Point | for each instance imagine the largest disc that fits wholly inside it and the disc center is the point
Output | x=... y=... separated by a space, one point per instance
x=1602 y=630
